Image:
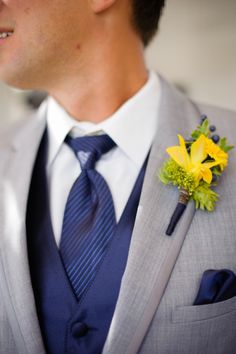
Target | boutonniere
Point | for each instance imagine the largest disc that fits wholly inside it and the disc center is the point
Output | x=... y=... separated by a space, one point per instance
x=195 y=167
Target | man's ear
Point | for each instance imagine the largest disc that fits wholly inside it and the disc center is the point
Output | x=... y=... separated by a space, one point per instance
x=101 y=5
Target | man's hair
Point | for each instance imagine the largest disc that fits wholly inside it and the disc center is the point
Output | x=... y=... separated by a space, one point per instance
x=146 y=15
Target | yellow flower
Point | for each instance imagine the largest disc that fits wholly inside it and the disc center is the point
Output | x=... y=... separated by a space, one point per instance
x=194 y=162
x=216 y=153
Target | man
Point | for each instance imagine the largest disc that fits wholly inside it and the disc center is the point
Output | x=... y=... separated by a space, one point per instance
x=86 y=266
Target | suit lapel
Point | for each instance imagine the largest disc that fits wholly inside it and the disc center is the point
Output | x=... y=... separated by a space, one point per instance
x=152 y=254
x=15 y=282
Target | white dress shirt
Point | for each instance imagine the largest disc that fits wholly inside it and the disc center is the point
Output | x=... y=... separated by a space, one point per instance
x=132 y=128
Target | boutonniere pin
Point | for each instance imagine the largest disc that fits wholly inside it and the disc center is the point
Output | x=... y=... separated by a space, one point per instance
x=195 y=166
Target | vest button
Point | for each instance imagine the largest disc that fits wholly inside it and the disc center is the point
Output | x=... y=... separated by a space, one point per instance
x=79 y=329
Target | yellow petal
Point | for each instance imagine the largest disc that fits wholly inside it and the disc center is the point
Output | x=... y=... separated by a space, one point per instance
x=181 y=141
x=198 y=150
x=207 y=175
x=179 y=154
x=201 y=171
x=210 y=164
x=196 y=171
x=215 y=152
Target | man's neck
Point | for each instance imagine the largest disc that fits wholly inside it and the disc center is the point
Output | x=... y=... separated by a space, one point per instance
x=103 y=84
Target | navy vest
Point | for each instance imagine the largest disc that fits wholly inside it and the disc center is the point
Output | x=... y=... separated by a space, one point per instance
x=69 y=326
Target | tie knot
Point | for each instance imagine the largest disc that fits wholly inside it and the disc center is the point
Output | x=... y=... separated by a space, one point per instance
x=89 y=149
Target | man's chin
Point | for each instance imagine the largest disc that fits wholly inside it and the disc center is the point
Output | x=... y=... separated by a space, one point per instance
x=17 y=82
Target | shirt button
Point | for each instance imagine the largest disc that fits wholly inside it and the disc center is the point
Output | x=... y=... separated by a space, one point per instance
x=79 y=329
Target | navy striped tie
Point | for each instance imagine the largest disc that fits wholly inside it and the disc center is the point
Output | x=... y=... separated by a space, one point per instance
x=89 y=218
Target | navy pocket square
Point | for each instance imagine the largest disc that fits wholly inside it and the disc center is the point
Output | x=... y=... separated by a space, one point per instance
x=216 y=286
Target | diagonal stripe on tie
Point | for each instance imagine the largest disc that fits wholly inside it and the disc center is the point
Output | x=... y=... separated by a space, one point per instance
x=89 y=217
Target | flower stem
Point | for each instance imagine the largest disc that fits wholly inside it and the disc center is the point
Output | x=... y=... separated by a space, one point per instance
x=180 y=208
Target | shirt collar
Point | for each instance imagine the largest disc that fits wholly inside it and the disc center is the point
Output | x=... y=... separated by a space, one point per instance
x=132 y=126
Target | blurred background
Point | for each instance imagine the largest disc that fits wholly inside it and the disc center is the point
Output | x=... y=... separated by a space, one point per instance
x=195 y=49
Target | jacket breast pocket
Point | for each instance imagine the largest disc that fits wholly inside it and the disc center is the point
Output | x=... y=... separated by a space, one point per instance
x=185 y=314
x=208 y=329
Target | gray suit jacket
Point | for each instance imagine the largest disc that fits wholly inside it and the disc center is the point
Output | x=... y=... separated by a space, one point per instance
x=154 y=312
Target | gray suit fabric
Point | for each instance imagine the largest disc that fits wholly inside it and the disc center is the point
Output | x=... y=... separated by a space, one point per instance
x=154 y=312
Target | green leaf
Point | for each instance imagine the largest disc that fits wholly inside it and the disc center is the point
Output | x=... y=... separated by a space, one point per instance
x=164 y=177
x=223 y=144
x=201 y=129
x=205 y=197
x=216 y=171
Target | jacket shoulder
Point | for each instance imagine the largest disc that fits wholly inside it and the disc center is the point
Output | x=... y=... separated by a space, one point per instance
x=22 y=128
x=223 y=119
x=9 y=132
x=218 y=113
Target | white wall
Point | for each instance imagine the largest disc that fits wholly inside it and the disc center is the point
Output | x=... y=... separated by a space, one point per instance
x=195 y=48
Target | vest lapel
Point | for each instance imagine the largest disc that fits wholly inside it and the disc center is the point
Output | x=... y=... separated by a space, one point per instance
x=152 y=254
x=15 y=277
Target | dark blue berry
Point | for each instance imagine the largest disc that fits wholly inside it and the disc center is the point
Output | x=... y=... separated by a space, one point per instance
x=214 y=179
x=212 y=128
x=203 y=118
x=215 y=138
